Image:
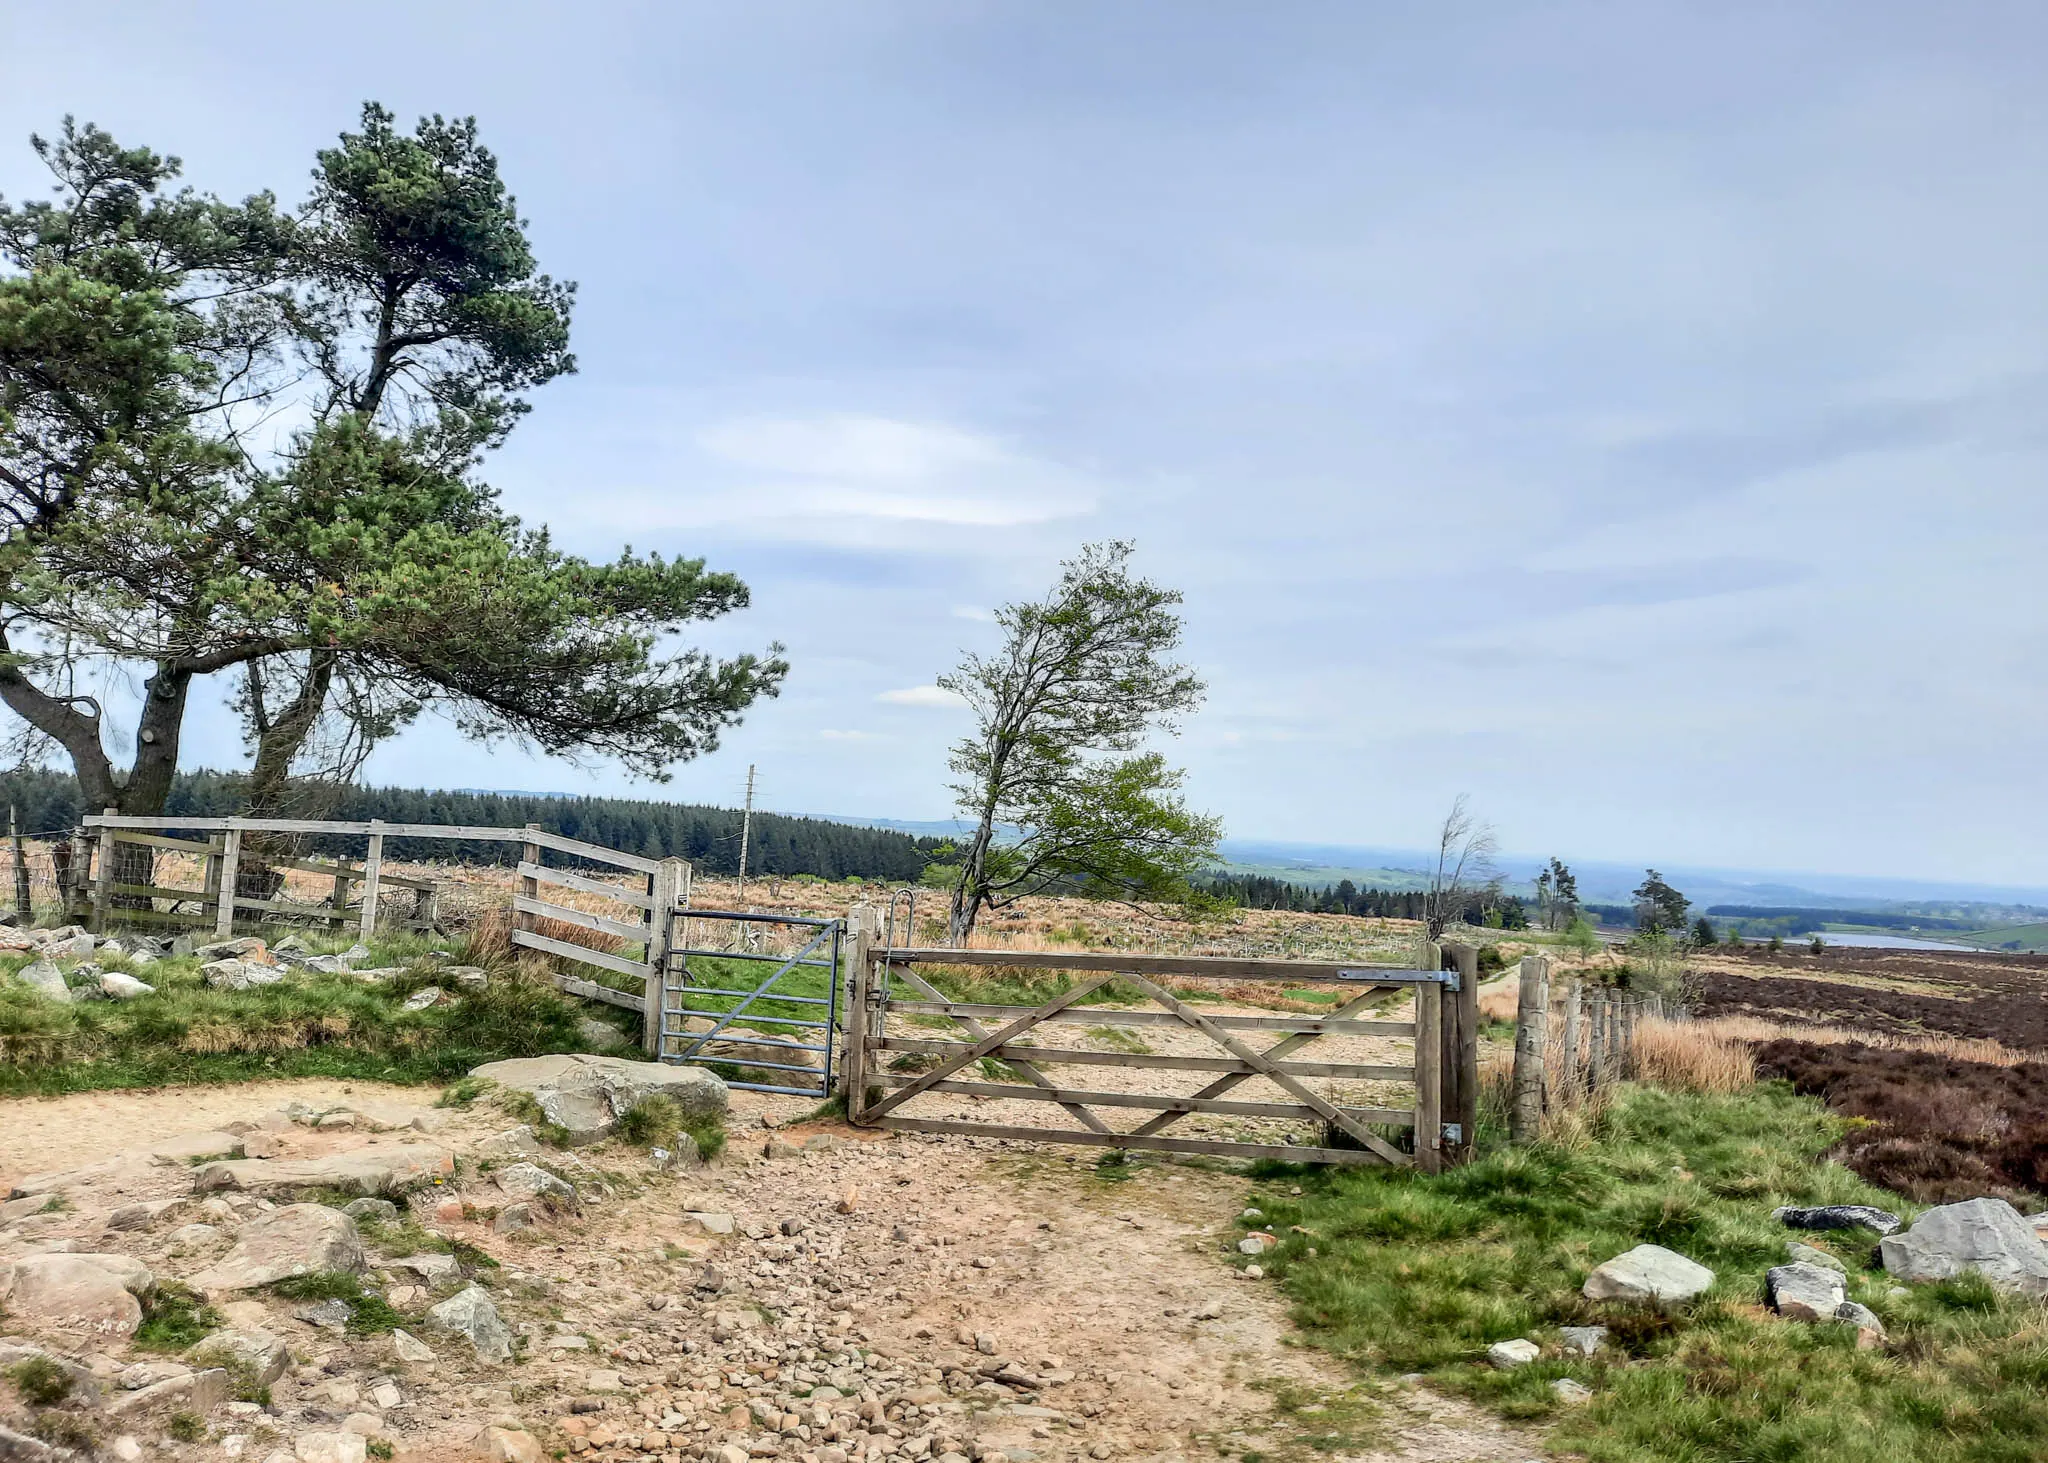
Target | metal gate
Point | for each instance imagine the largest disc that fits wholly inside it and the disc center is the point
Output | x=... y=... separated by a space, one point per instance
x=718 y=1015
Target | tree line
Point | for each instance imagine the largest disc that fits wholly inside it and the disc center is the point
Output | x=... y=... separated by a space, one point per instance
x=1262 y=891
x=49 y=802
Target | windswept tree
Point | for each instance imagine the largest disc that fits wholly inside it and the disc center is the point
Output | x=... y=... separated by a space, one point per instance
x=1463 y=876
x=1557 y=895
x=349 y=571
x=1053 y=777
x=1659 y=908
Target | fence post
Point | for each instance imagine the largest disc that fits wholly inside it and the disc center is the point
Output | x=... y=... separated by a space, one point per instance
x=860 y=928
x=1429 y=1076
x=1461 y=1055
x=24 y=900
x=1532 y=1025
x=529 y=886
x=1574 y=998
x=103 y=875
x=343 y=877
x=230 y=870
x=373 y=872
x=668 y=883
x=1596 y=1041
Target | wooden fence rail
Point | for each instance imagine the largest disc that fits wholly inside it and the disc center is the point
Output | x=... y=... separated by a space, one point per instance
x=1442 y=1065
x=642 y=924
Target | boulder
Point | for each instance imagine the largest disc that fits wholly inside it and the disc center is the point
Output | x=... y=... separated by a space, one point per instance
x=1648 y=1274
x=1804 y=1292
x=585 y=1094
x=95 y=1295
x=198 y=1392
x=530 y=1181
x=300 y=1239
x=470 y=1314
x=46 y=980
x=239 y=975
x=118 y=987
x=1984 y=1236
x=76 y=944
x=1837 y=1216
x=262 y=1353
x=378 y=1169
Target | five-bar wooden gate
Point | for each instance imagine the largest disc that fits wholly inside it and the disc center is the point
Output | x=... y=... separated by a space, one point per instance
x=995 y=1056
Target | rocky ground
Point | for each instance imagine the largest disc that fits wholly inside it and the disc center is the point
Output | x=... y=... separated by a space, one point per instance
x=814 y=1294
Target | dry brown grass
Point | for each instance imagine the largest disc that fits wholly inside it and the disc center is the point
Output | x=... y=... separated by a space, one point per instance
x=1692 y=1056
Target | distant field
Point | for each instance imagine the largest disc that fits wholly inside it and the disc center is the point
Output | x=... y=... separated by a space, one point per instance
x=2033 y=937
x=1318 y=875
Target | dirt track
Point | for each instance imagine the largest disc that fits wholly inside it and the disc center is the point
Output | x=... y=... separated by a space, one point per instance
x=1109 y=1285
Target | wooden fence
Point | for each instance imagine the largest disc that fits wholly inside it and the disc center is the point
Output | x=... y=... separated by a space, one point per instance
x=1573 y=1040
x=1442 y=1066
x=640 y=914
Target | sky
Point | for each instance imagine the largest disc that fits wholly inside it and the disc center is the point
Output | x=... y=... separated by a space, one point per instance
x=1629 y=415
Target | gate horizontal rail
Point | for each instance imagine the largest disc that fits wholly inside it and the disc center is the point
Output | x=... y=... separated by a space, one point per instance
x=1442 y=1069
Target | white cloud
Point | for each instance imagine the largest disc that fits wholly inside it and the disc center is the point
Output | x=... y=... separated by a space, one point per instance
x=834 y=734
x=975 y=613
x=921 y=696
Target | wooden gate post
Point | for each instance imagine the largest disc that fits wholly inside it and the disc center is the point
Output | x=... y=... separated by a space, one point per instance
x=1429 y=1076
x=1568 y=1079
x=529 y=886
x=373 y=873
x=103 y=875
x=1532 y=1030
x=860 y=941
x=1461 y=1055
x=230 y=872
x=668 y=884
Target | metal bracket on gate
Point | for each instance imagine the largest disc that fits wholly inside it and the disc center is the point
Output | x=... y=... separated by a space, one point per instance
x=1448 y=979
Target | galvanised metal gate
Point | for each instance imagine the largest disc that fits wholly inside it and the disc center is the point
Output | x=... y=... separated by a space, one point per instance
x=775 y=1034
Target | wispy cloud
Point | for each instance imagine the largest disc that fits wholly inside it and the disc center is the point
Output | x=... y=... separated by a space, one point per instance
x=921 y=696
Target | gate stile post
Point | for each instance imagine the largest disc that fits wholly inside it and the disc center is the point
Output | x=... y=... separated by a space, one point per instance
x=1461 y=1055
x=103 y=876
x=230 y=872
x=1429 y=1076
x=667 y=886
x=1532 y=1021
x=373 y=871
x=860 y=925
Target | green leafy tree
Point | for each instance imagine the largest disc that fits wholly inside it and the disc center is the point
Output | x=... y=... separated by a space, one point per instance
x=356 y=571
x=1658 y=906
x=1083 y=676
x=1703 y=933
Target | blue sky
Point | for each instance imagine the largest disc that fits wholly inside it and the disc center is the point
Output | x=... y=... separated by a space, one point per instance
x=1630 y=415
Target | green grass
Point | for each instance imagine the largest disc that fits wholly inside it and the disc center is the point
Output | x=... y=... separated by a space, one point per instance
x=369 y=1313
x=41 y=1382
x=174 y=1319
x=1417 y=1273
x=308 y=1025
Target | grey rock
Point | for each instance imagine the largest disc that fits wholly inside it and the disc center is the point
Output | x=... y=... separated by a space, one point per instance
x=379 y=1168
x=262 y=1353
x=247 y=945
x=531 y=1181
x=145 y=1214
x=85 y=1294
x=517 y=1142
x=468 y=977
x=598 y=1036
x=1984 y=1236
x=239 y=975
x=471 y=1314
x=20 y=1448
x=69 y=946
x=425 y=998
x=1510 y=1354
x=46 y=980
x=586 y=1094
x=1569 y=1392
x=408 y=1347
x=377 y=1211
x=1837 y=1216
x=1807 y=1255
x=432 y=1268
x=1862 y=1317
x=1803 y=1292
x=513 y=1218
x=118 y=987
x=198 y=1392
x=1648 y=1274
x=299 y=1239
x=1585 y=1340
x=326 y=1315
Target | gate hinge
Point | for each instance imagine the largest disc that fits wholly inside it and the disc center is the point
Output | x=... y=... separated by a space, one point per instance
x=1454 y=1132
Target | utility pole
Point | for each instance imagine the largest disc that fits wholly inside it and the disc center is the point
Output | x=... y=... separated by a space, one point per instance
x=746 y=834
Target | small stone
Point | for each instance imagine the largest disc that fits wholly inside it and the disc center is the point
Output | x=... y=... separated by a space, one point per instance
x=513 y=1218
x=1257 y=1243
x=46 y=980
x=985 y=1343
x=531 y=1181
x=792 y=1227
x=1648 y=1273
x=508 y=1445
x=118 y=987
x=1803 y=1292
x=262 y=1354
x=1209 y=1310
x=387 y=1396
x=1585 y=1340
x=425 y=998
x=326 y=1315
x=342 y=1447
x=1837 y=1216
x=1255 y=1272
x=1569 y=1392
x=408 y=1347
x=1862 y=1317
x=603 y=1381
x=377 y=1211
x=1807 y=1255
x=849 y=1200
x=720 y=1224
x=1510 y=1354
x=471 y=1314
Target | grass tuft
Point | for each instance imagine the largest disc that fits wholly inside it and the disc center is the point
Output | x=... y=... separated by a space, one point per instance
x=174 y=1319
x=41 y=1382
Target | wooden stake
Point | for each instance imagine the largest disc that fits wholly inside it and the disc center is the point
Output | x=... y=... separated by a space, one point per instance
x=669 y=883
x=230 y=870
x=1429 y=1077
x=103 y=875
x=1532 y=1025
x=1568 y=1080
x=373 y=873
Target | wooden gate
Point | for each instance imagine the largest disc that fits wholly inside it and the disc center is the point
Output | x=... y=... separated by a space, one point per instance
x=995 y=1042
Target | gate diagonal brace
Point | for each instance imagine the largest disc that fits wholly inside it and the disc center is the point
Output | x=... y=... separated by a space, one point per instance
x=1271 y=1071
x=780 y=971
x=986 y=1045
x=1025 y=1069
x=1281 y=1048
